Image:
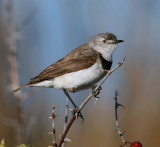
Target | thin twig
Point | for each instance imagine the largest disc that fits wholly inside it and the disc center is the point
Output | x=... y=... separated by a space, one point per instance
x=54 y=144
x=66 y=117
x=86 y=100
x=116 y=118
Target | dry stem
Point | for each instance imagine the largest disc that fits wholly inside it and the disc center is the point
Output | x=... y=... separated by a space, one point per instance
x=12 y=38
x=54 y=144
x=66 y=117
x=116 y=118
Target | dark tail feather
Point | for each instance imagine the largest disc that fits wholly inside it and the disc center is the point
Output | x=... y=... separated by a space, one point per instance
x=20 y=88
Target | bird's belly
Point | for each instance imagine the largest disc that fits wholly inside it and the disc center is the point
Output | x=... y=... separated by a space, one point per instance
x=81 y=79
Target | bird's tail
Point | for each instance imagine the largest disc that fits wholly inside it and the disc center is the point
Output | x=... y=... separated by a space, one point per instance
x=20 y=88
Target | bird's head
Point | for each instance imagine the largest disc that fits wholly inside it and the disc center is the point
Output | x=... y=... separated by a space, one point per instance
x=104 y=43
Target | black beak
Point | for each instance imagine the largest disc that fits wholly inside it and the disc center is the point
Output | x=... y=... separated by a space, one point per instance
x=117 y=41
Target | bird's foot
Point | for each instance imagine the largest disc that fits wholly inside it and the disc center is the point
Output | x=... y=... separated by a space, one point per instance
x=96 y=92
x=77 y=113
x=72 y=90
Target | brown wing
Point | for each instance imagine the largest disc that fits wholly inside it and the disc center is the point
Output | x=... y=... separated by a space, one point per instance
x=79 y=59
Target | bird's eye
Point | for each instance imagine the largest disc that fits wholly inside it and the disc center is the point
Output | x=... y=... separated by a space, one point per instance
x=104 y=41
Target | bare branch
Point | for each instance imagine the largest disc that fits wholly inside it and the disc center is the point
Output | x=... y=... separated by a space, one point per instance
x=54 y=144
x=66 y=117
x=116 y=118
x=86 y=100
x=12 y=47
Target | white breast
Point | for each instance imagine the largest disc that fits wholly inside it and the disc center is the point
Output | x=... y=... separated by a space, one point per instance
x=77 y=80
x=80 y=79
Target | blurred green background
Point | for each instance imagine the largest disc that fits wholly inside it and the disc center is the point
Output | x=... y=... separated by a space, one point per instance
x=41 y=32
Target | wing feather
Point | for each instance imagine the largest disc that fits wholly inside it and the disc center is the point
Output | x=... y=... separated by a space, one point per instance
x=79 y=59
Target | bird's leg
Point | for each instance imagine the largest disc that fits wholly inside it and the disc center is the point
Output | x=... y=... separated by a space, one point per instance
x=75 y=106
x=68 y=96
x=95 y=93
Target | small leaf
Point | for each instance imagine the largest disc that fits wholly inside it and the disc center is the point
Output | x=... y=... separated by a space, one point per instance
x=23 y=145
x=2 y=143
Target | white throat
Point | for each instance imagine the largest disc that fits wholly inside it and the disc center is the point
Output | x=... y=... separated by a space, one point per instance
x=107 y=51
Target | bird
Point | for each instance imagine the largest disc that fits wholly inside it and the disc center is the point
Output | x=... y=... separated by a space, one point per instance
x=81 y=68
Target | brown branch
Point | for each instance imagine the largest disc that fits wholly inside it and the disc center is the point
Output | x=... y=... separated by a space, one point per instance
x=86 y=100
x=54 y=144
x=12 y=47
x=13 y=37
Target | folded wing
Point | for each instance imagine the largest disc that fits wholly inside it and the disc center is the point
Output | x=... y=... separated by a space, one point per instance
x=79 y=59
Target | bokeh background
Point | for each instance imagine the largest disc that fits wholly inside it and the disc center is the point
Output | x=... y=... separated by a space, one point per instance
x=36 y=33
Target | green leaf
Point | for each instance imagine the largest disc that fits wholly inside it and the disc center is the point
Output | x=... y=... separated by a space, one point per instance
x=2 y=143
